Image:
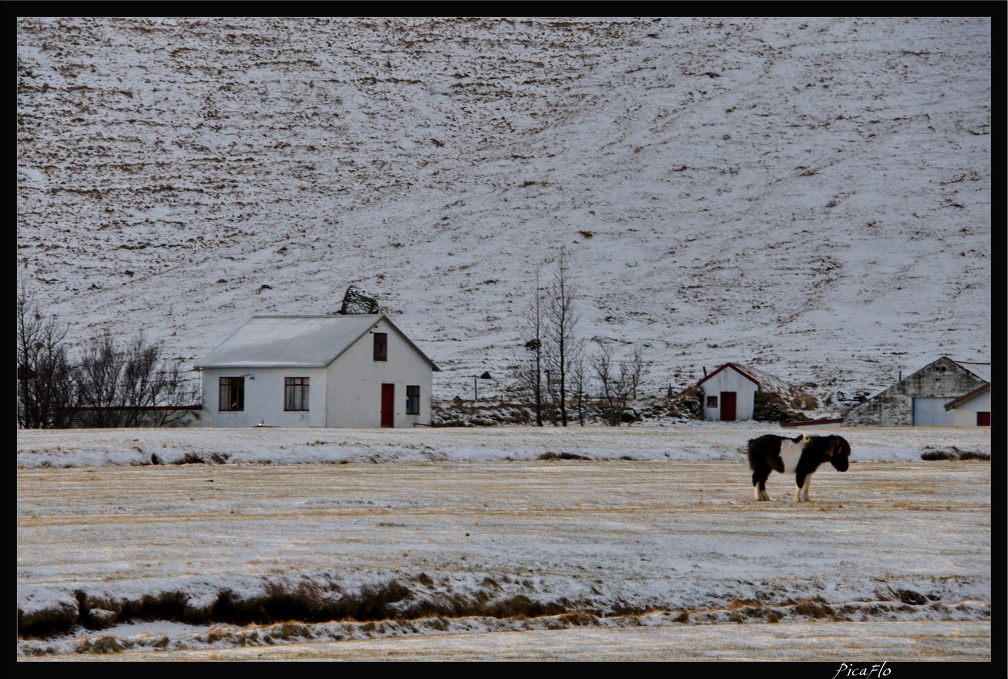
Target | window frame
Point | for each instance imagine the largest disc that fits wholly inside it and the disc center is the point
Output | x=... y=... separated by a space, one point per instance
x=712 y=401
x=412 y=399
x=231 y=391
x=381 y=346
x=296 y=392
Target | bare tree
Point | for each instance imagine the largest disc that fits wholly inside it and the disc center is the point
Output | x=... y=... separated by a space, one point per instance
x=563 y=345
x=100 y=384
x=638 y=368
x=129 y=387
x=109 y=387
x=614 y=384
x=530 y=364
x=45 y=375
x=169 y=392
x=579 y=387
x=152 y=388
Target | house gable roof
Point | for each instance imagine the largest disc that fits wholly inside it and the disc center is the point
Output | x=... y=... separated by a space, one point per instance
x=733 y=367
x=977 y=370
x=295 y=341
x=981 y=370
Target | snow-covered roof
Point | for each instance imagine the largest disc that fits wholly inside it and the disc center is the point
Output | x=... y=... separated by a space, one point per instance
x=981 y=370
x=294 y=341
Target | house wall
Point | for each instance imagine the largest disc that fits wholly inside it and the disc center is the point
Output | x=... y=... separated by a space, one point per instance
x=730 y=380
x=966 y=413
x=355 y=379
x=264 y=398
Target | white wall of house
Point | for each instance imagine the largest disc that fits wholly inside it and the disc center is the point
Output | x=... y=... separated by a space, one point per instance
x=264 y=398
x=354 y=384
x=966 y=413
x=729 y=380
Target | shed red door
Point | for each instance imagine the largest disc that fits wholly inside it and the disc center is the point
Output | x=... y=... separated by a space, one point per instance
x=983 y=419
x=728 y=405
x=387 y=404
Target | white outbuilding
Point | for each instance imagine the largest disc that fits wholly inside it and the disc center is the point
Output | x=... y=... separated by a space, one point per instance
x=729 y=394
x=317 y=371
x=972 y=409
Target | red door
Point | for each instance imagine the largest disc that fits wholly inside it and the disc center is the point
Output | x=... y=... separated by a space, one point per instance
x=728 y=406
x=387 y=404
x=983 y=419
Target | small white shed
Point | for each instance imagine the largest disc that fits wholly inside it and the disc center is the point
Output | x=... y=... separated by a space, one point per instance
x=317 y=371
x=729 y=394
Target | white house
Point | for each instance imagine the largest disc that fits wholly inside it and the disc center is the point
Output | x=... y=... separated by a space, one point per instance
x=317 y=371
x=729 y=394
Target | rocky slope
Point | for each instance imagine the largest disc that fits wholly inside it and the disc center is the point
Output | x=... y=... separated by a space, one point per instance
x=809 y=196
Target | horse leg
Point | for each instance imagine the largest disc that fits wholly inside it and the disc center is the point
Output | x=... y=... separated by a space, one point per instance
x=759 y=484
x=802 y=482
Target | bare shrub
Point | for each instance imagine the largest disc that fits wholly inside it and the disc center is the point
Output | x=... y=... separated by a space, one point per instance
x=520 y=606
x=189 y=458
x=579 y=618
x=910 y=597
x=815 y=608
x=102 y=645
x=561 y=456
x=953 y=453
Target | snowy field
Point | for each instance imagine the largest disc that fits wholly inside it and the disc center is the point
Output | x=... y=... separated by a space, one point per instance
x=497 y=544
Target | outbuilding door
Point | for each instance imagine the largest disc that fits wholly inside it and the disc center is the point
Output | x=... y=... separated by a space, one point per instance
x=387 y=404
x=728 y=399
x=930 y=412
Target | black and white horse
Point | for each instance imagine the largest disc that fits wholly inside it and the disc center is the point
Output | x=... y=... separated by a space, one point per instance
x=800 y=456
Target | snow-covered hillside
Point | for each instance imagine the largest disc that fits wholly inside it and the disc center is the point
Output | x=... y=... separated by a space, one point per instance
x=809 y=196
